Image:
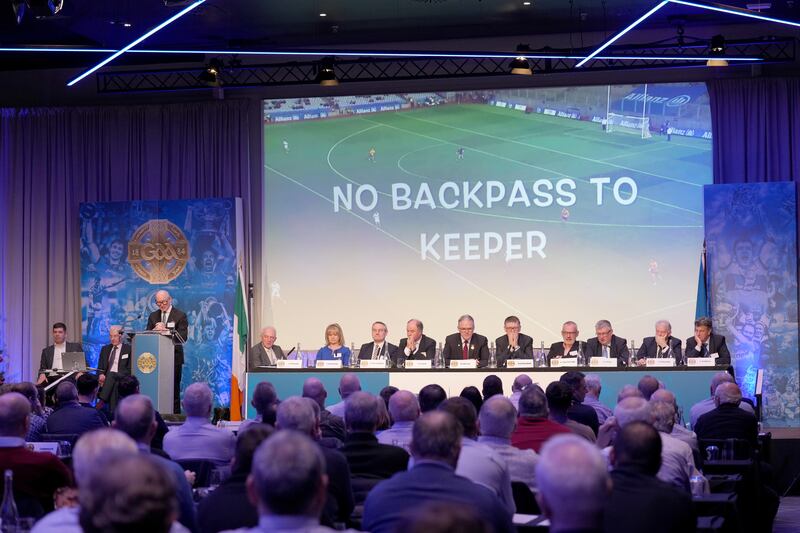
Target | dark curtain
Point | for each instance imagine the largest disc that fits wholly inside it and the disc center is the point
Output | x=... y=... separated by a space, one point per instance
x=51 y=160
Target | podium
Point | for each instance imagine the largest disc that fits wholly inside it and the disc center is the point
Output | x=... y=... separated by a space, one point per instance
x=154 y=367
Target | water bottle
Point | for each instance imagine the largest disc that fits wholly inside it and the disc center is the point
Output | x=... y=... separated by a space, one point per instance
x=697 y=484
x=9 y=517
x=632 y=355
x=581 y=360
x=492 y=359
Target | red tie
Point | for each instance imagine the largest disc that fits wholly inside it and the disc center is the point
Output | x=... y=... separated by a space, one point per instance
x=465 y=350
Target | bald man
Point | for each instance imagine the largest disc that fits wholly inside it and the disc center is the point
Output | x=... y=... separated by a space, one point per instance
x=165 y=320
x=266 y=352
x=115 y=362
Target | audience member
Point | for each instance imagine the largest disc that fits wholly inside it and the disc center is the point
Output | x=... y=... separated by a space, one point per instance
x=38 y=416
x=197 y=438
x=678 y=431
x=227 y=506
x=404 y=409
x=473 y=395
x=288 y=484
x=647 y=386
x=88 y=385
x=348 y=384
x=631 y=409
x=520 y=382
x=578 y=412
x=70 y=417
x=367 y=457
x=332 y=426
x=478 y=462
x=299 y=414
x=534 y=427
x=498 y=418
x=709 y=404
x=265 y=402
x=386 y=393
x=559 y=400
x=139 y=496
x=129 y=385
x=592 y=398
x=629 y=391
x=573 y=484
x=492 y=385
x=435 y=447
x=728 y=421
x=441 y=517
x=639 y=501
x=36 y=475
x=384 y=420
x=135 y=416
x=677 y=461
x=430 y=396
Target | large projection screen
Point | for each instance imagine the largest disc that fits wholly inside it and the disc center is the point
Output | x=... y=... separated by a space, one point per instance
x=577 y=203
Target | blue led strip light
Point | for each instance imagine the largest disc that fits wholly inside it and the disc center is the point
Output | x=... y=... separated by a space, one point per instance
x=118 y=53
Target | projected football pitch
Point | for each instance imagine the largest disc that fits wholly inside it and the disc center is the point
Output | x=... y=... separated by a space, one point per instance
x=432 y=211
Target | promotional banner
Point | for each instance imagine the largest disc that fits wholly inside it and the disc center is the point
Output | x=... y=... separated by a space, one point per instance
x=131 y=250
x=751 y=234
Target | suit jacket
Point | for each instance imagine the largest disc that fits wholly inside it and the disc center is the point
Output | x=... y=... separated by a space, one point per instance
x=557 y=349
x=478 y=348
x=108 y=393
x=46 y=361
x=523 y=351
x=258 y=356
x=426 y=348
x=370 y=459
x=181 y=326
x=73 y=418
x=649 y=348
x=716 y=344
x=389 y=350
x=640 y=502
x=619 y=349
x=728 y=421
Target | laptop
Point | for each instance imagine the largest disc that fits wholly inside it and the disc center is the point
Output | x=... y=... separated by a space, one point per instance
x=73 y=362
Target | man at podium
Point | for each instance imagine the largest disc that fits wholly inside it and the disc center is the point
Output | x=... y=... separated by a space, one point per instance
x=170 y=319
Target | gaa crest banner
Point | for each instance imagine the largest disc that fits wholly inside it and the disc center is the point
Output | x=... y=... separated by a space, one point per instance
x=131 y=250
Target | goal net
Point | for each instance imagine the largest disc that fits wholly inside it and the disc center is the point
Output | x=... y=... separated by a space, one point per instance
x=629 y=124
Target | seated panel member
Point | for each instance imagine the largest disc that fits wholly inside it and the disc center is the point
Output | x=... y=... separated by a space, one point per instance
x=334 y=348
x=466 y=344
x=660 y=345
x=570 y=345
x=416 y=345
x=606 y=344
x=266 y=352
x=378 y=348
x=513 y=345
x=115 y=362
x=705 y=343
x=51 y=358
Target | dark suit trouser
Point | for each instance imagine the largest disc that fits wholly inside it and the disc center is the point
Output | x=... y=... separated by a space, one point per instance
x=176 y=393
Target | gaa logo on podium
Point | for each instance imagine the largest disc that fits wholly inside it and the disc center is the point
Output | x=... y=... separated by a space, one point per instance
x=158 y=251
x=146 y=363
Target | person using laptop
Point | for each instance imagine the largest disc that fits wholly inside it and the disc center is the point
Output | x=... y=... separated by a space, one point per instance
x=53 y=356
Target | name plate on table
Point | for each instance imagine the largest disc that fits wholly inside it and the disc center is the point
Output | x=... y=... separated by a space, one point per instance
x=557 y=362
x=290 y=363
x=701 y=361
x=336 y=363
x=519 y=363
x=603 y=362
x=463 y=363
x=660 y=361
x=418 y=363
x=372 y=363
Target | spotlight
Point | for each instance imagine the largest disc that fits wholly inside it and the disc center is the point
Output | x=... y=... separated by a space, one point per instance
x=326 y=76
x=210 y=76
x=717 y=51
x=520 y=65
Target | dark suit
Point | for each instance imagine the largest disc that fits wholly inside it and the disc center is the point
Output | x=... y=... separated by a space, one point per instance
x=649 y=349
x=716 y=344
x=108 y=393
x=728 y=422
x=478 y=348
x=182 y=328
x=370 y=459
x=640 y=502
x=73 y=418
x=46 y=361
x=524 y=349
x=557 y=349
x=426 y=348
x=388 y=350
x=619 y=349
x=259 y=357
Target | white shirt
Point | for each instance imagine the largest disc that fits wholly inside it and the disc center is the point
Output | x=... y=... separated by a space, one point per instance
x=117 y=351
x=376 y=351
x=165 y=315
x=408 y=352
x=58 y=352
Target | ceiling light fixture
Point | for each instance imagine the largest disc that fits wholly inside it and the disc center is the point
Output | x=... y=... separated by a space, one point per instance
x=520 y=64
x=211 y=75
x=326 y=76
x=717 y=52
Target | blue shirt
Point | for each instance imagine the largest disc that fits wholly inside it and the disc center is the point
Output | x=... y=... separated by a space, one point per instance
x=398 y=435
x=197 y=438
x=480 y=464
x=326 y=354
x=521 y=463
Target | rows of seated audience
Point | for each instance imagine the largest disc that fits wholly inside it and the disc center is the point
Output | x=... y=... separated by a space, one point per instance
x=397 y=461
